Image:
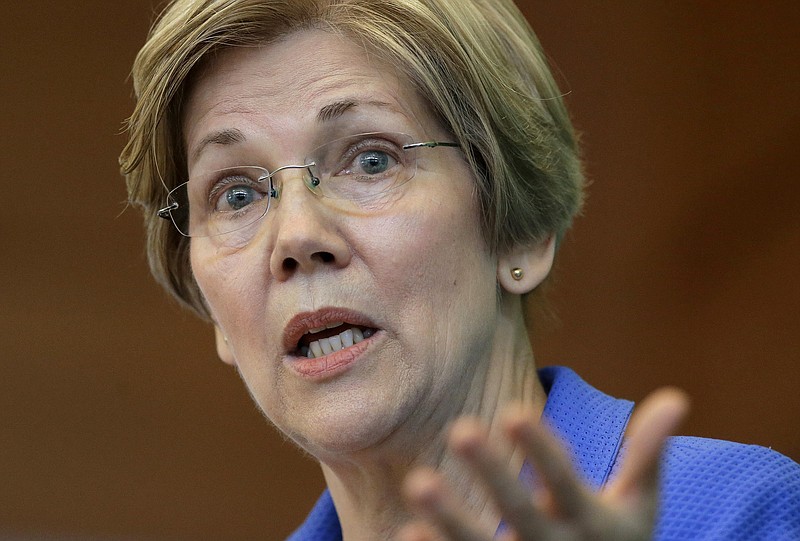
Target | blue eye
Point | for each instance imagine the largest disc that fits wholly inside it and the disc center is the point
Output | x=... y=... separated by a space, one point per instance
x=374 y=162
x=238 y=197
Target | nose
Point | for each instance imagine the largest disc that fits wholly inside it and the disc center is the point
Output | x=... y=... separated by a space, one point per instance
x=306 y=234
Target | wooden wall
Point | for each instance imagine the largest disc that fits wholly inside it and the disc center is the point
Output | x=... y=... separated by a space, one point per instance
x=118 y=422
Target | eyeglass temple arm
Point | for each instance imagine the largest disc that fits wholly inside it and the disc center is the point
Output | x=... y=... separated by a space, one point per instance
x=164 y=213
x=431 y=144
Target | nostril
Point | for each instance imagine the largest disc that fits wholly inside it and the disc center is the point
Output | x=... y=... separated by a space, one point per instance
x=325 y=257
x=289 y=264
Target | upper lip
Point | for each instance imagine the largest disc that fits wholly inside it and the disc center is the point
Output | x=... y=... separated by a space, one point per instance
x=303 y=322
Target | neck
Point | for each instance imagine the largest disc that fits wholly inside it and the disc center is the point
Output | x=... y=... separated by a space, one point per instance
x=366 y=487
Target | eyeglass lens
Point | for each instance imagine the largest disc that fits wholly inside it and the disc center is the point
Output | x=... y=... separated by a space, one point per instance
x=354 y=170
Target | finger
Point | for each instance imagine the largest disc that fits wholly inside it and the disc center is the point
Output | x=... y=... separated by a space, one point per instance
x=470 y=441
x=565 y=491
x=429 y=496
x=657 y=418
x=417 y=531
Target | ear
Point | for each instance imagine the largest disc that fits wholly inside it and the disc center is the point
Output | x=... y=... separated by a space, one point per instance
x=523 y=268
x=224 y=350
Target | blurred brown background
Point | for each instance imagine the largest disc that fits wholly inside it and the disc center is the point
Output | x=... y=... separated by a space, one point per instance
x=118 y=422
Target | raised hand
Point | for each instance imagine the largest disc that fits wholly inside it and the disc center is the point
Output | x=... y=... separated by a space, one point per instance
x=561 y=508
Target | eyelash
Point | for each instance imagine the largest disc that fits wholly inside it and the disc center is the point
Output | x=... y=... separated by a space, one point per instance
x=393 y=149
x=218 y=186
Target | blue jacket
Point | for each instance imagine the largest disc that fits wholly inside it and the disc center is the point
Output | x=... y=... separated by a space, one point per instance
x=711 y=489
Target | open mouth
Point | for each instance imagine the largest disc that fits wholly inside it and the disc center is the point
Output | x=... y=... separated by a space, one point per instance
x=333 y=337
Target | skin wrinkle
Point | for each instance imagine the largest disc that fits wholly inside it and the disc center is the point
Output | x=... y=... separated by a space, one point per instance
x=366 y=113
x=317 y=86
x=232 y=103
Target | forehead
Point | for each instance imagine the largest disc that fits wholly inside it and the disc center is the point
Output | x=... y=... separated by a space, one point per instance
x=294 y=88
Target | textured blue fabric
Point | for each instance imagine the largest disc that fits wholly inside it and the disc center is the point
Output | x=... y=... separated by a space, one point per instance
x=712 y=490
x=322 y=523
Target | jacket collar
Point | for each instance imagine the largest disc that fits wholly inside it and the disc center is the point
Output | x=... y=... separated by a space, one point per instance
x=590 y=423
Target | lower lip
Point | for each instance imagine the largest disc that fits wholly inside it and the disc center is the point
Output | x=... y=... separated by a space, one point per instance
x=332 y=364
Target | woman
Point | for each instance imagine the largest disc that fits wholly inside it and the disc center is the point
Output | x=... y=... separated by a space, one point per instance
x=360 y=196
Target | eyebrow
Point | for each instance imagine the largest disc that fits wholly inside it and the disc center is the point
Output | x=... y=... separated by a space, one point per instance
x=327 y=113
x=228 y=136
x=335 y=110
x=338 y=108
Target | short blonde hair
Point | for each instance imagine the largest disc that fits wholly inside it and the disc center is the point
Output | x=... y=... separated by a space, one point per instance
x=477 y=63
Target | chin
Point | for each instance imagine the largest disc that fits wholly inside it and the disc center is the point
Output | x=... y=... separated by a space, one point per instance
x=347 y=426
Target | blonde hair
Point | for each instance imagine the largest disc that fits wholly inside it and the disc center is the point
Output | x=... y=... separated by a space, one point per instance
x=477 y=63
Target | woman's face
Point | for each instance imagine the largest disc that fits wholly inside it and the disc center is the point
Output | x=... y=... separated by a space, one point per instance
x=414 y=270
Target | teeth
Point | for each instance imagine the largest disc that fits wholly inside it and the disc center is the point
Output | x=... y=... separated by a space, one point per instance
x=326 y=346
x=328 y=326
x=347 y=338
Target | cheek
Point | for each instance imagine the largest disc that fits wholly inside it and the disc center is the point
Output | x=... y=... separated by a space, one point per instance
x=441 y=286
x=435 y=249
x=229 y=293
x=448 y=233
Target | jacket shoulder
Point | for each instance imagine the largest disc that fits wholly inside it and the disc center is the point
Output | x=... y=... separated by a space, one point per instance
x=714 y=489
